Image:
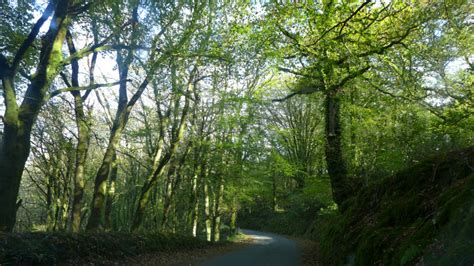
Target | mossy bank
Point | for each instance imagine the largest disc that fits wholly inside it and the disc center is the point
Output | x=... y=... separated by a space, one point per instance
x=423 y=215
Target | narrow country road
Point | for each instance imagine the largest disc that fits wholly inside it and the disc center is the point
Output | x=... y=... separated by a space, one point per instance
x=268 y=249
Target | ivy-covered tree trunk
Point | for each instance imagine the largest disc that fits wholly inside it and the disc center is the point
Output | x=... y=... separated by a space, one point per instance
x=334 y=159
x=19 y=120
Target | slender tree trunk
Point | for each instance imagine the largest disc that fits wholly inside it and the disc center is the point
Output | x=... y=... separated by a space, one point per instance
x=194 y=205
x=50 y=203
x=174 y=180
x=110 y=194
x=216 y=225
x=233 y=217
x=200 y=159
x=274 y=194
x=207 y=210
x=168 y=194
x=145 y=192
x=335 y=161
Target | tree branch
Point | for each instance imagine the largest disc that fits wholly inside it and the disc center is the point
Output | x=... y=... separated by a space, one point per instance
x=312 y=89
x=351 y=76
x=352 y=15
x=381 y=50
x=90 y=87
x=285 y=98
x=31 y=36
x=294 y=72
x=98 y=46
x=344 y=22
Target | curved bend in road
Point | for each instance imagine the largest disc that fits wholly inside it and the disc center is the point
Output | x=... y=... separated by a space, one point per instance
x=267 y=249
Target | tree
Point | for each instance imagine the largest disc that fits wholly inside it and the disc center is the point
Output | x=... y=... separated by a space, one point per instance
x=19 y=119
x=335 y=46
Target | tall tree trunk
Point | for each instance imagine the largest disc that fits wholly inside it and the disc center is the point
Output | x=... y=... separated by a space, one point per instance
x=100 y=188
x=83 y=137
x=19 y=121
x=335 y=161
x=120 y=121
x=81 y=156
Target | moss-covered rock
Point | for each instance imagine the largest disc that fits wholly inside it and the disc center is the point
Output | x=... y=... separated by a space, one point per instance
x=424 y=214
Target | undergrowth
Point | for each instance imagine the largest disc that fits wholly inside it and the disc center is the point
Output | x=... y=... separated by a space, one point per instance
x=51 y=248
